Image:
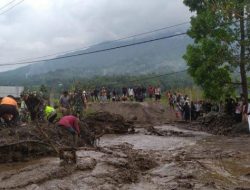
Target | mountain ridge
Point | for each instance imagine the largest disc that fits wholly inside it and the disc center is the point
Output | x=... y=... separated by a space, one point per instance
x=155 y=57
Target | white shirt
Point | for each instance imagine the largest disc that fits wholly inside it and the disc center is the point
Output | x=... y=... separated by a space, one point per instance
x=248 y=109
x=130 y=92
x=157 y=91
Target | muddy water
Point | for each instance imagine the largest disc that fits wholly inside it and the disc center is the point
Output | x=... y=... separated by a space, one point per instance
x=149 y=142
x=142 y=161
x=227 y=161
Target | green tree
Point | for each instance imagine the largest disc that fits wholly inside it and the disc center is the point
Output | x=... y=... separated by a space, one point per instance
x=221 y=31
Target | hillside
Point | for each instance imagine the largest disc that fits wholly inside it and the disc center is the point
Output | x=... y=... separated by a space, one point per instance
x=157 y=57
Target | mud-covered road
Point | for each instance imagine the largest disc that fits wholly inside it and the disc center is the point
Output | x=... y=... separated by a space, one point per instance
x=181 y=160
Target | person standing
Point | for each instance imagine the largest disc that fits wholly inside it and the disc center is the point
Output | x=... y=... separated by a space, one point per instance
x=64 y=103
x=103 y=94
x=248 y=115
x=238 y=110
x=197 y=109
x=150 y=92
x=171 y=102
x=186 y=110
x=96 y=92
x=157 y=93
x=131 y=94
x=124 y=91
x=34 y=103
x=79 y=103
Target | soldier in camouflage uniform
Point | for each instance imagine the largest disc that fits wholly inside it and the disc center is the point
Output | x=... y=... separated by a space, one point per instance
x=78 y=104
x=35 y=104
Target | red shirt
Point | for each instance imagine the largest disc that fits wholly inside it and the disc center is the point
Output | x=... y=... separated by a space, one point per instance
x=69 y=121
x=151 y=90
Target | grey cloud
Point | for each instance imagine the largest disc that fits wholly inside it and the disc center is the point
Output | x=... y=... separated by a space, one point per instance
x=29 y=31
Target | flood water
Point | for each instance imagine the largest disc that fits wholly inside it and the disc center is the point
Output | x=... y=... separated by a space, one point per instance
x=200 y=161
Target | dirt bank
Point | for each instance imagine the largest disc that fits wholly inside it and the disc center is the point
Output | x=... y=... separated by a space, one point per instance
x=222 y=124
x=141 y=113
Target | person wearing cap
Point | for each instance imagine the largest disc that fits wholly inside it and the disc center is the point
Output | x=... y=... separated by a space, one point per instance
x=8 y=106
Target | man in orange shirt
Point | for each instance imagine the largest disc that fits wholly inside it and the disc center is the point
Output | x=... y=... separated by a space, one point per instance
x=9 y=106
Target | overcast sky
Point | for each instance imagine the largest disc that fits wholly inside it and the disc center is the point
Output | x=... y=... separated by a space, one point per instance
x=39 y=27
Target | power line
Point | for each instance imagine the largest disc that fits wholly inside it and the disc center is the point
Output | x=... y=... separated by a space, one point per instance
x=11 y=7
x=108 y=49
x=96 y=51
x=33 y=60
x=6 y=5
x=105 y=43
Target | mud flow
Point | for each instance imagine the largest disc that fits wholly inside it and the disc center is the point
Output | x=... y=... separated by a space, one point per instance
x=158 y=156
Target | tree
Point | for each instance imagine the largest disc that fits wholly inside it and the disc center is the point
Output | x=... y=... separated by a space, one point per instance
x=221 y=31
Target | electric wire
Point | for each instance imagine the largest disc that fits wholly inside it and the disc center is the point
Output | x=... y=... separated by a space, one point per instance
x=7 y=4
x=96 y=51
x=7 y=10
x=113 y=48
x=105 y=43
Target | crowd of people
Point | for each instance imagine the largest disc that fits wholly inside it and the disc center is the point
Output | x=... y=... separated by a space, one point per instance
x=35 y=106
x=138 y=93
x=191 y=110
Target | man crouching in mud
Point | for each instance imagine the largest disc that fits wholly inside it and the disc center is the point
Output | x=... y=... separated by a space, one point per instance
x=74 y=126
x=71 y=124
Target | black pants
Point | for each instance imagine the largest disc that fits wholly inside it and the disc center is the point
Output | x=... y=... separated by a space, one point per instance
x=157 y=96
x=11 y=110
x=238 y=117
x=52 y=118
x=69 y=129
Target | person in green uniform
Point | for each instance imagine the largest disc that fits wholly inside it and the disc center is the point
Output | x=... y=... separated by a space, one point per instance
x=78 y=104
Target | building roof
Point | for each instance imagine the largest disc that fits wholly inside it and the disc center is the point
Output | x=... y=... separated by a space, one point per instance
x=11 y=90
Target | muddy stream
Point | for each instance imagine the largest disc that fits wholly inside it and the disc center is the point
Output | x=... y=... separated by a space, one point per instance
x=184 y=159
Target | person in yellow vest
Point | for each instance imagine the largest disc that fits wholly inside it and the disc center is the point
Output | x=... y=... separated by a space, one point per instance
x=50 y=114
x=8 y=106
